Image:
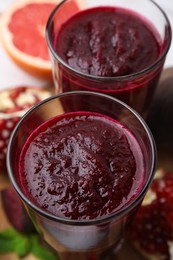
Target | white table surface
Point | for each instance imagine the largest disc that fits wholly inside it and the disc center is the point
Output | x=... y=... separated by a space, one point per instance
x=11 y=75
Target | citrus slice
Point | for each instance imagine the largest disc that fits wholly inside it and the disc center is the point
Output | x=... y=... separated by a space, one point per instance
x=23 y=34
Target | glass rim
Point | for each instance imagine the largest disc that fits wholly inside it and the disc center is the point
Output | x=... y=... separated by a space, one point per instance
x=112 y=78
x=120 y=212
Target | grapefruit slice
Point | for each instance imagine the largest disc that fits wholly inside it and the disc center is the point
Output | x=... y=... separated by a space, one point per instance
x=23 y=34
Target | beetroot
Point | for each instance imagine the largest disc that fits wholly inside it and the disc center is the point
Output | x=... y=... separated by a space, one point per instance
x=160 y=119
x=15 y=211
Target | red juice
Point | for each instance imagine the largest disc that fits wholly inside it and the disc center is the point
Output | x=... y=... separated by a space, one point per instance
x=81 y=166
x=107 y=42
x=104 y=49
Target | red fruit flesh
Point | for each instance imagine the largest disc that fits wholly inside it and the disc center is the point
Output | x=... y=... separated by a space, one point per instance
x=152 y=229
x=35 y=16
x=13 y=104
x=6 y=128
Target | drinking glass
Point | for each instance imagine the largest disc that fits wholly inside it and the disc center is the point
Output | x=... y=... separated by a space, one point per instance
x=89 y=238
x=136 y=89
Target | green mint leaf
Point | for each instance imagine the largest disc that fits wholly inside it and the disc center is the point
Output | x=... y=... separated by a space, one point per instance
x=13 y=241
x=40 y=251
x=22 y=246
x=6 y=240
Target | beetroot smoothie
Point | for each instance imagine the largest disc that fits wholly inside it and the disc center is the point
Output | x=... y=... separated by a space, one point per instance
x=81 y=166
x=108 y=42
x=111 y=50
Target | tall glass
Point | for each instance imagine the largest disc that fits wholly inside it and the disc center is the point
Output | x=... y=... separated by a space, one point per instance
x=135 y=89
x=90 y=238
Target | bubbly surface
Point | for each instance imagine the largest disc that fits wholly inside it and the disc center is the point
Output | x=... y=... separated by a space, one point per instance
x=81 y=166
x=108 y=41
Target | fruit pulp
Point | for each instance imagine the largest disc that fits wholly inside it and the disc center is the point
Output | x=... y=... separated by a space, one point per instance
x=107 y=42
x=81 y=166
x=31 y=39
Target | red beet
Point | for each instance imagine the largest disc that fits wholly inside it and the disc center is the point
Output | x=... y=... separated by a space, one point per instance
x=160 y=119
x=15 y=211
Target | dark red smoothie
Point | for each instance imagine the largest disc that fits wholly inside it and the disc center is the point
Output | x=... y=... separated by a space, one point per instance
x=81 y=165
x=107 y=42
x=107 y=49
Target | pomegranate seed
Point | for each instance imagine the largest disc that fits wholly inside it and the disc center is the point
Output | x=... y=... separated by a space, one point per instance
x=152 y=229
